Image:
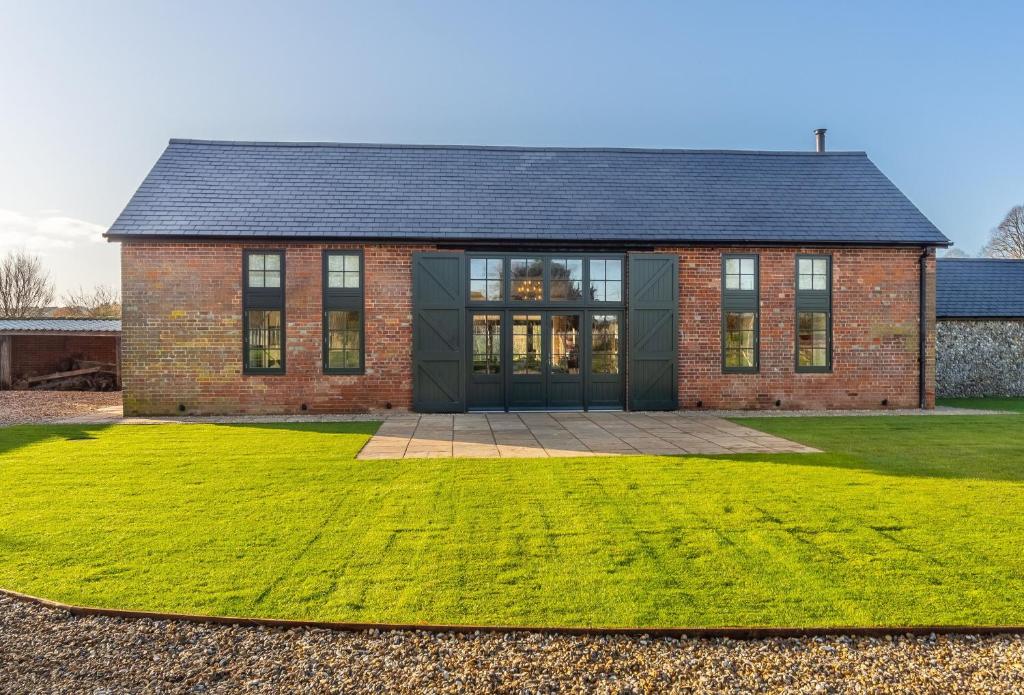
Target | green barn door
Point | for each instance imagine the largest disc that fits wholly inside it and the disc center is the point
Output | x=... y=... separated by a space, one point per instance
x=653 y=317
x=438 y=333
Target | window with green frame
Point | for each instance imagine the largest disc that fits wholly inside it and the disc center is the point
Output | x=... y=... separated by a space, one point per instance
x=344 y=323
x=263 y=312
x=740 y=325
x=814 y=313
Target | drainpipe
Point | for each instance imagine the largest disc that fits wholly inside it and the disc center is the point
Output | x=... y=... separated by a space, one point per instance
x=922 y=342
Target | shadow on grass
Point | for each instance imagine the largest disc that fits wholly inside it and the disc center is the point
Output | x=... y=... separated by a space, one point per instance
x=967 y=447
x=18 y=436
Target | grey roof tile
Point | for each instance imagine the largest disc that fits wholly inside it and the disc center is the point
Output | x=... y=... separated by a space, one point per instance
x=979 y=288
x=211 y=188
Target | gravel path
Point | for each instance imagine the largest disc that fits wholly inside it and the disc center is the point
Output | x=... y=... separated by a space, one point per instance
x=43 y=650
x=18 y=407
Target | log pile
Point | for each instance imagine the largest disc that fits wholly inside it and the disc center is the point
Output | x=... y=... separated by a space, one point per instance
x=73 y=375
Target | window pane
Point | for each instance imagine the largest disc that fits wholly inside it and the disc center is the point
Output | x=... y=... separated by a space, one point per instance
x=818 y=282
x=271 y=278
x=527 y=279
x=805 y=266
x=485 y=276
x=351 y=263
x=812 y=339
x=747 y=266
x=740 y=339
x=604 y=341
x=613 y=270
x=344 y=340
x=273 y=261
x=732 y=282
x=820 y=266
x=351 y=280
x=487 y=343
x=597 y=270
x=567 y=278
x=263 y=339
x=746 y=282
x=335 y=263
x=565 y=350
x=526 y=345
x=613 y=291
x=255 y=278
x=732 y=266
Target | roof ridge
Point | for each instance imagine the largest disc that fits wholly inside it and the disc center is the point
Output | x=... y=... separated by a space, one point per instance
x=506 y=148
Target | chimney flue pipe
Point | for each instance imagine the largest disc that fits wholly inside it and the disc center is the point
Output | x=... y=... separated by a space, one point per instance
x=819 y=140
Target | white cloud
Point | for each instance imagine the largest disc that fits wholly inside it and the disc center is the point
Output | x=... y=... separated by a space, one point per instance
x=74 y=251
x=47 y=231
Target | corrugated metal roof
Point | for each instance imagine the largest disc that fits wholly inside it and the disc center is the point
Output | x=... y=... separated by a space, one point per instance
x=463 y=193
x=62 y=325
x=979 y=288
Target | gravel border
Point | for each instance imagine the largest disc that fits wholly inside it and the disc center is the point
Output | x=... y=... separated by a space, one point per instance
x=47 y=650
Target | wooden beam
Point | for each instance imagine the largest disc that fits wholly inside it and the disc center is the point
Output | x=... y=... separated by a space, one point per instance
x=6 y=359
x=63 y=375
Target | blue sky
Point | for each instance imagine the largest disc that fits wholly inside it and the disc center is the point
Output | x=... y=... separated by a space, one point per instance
x=90 y=92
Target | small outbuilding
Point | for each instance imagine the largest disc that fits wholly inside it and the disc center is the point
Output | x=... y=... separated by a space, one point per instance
x=980 y=327
x=41 y=352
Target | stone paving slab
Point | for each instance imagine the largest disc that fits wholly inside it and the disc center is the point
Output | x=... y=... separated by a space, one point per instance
x=542 y=435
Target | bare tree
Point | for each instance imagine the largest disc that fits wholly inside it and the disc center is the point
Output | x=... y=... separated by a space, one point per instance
x=956 y=253
x=25 y=287
x=102 y=302
x=1007 y=240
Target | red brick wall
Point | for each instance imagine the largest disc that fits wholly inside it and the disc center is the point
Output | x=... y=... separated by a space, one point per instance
x=182 y=331
x=875 y=332
x=34 y=355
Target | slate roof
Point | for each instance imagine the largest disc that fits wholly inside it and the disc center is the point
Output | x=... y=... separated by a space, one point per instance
x=979 y=288
x=60 y=325
x=456 y=193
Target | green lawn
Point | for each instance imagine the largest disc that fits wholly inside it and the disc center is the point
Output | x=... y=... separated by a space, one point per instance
x=990 y=403
x=905 y=521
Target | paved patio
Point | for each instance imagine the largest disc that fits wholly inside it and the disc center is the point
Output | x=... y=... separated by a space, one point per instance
x=531 y=435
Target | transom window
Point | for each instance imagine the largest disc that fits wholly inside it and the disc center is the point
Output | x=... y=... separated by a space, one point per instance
x=487 y=343
x=486 y=279
x=606 y=279
x=565 y=343
x=264 y=270
x=526 y=343
x=813 y=273
x=343 y=271
x=604 y=343
x=740 y=273
x=527 y=276
x=566 y=278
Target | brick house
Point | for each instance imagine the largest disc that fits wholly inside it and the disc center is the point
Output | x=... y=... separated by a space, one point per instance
x=290 y=277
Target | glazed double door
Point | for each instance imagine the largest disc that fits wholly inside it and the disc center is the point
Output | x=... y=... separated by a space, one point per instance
x=552 y=359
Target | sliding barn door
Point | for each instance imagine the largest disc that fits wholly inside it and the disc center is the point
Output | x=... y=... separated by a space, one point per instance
x=438 y=333
x=653 y=335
